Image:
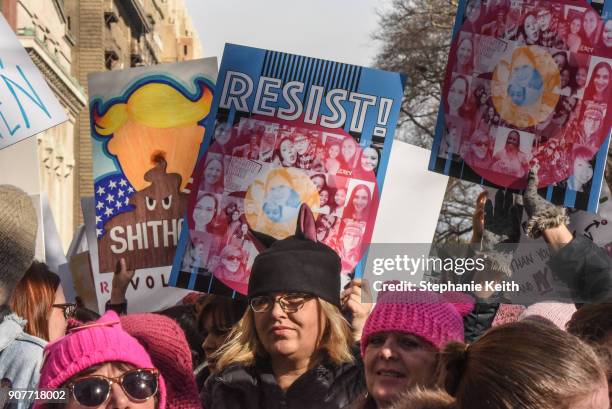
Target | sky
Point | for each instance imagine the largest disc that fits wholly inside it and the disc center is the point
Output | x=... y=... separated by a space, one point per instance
x=338 y=30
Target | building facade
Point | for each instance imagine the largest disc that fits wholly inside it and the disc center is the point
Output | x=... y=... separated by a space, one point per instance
x=67 y=40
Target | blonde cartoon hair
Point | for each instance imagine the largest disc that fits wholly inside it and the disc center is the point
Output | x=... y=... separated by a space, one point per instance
x=156 y=105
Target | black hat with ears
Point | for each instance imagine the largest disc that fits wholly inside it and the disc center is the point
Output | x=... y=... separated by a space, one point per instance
x=298 y=263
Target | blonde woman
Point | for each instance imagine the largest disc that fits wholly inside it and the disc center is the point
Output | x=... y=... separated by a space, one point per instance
x=293 y=347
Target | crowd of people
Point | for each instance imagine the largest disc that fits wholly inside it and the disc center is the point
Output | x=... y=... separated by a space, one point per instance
x=299 y=340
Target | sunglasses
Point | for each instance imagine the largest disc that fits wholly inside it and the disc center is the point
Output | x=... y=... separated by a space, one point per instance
x=139 y=385
x=289 y=303
x=232 y=258
x=68 y=309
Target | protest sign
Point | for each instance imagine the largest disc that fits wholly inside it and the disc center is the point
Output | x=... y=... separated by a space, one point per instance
x=148 y=290
x=526 y=83
x=289 y=130
x=27 y=104
x=147 y=127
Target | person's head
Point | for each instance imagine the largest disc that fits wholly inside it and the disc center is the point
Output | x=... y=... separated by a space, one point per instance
x=40 y=300
x=205 y=210
x=340 y=196
x=560 y=59
x=349 y=148
x=575 y=25
x=186 y=316
x=333 y=151
x=319 y=181
x=235 y=215
x=565 y=77
x=592 y=121
x=369 y=159
x=530 y=27
x=286 y=151
x=215 y=321
x=589 y=23
x=582 y=168
x=457 y=94
x=18 y=227
x=606 y=35
x=402 y=337
x=88 y=357
x=301 y=143
x=526 y=364
x=323 y=197
x=581 y=76
x=232 y=258
x=600 y=81
x=513 y=141
x=213 y=173
x=279 y=187
x=293 y=316
x=223 y=133
x=465 y=52
x=592 y=323
x=359 y=202
x=350 y=238
x=544 y=18
x=480 y=144
x=472 y=10
x=517 y=94
x=244 y=228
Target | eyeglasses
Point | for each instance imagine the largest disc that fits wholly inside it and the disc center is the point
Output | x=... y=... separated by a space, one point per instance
x=69 y=309
x=92 y=391
x=232 y=258
x=289 y=303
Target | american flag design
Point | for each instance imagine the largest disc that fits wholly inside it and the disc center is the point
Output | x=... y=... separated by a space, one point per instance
x=112 y=196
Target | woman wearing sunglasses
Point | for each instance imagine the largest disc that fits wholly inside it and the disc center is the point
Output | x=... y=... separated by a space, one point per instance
x=102 y=366
x=293 y=346
x=39 y=298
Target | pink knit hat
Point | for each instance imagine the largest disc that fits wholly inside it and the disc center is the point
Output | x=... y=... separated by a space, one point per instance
x=436 y=318
x=555 y=312
x=95 y=343
x=166 y=343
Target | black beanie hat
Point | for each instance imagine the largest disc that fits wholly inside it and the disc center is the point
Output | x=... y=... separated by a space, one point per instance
x=296 y=264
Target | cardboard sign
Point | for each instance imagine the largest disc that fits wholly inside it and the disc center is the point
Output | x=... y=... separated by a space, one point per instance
x=289 y=130
x=526 y=83
x=147 y=127
x=27 y=104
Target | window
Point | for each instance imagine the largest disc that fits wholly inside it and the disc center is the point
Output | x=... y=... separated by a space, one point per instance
x=185 y=50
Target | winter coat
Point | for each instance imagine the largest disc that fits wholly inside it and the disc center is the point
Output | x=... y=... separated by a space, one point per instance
x=586 y=269
x=326 y=386
x=479 y=320
x=21 y=355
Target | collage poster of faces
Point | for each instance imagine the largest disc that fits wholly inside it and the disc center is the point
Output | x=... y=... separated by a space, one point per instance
x=528 y=82
x=257 y=173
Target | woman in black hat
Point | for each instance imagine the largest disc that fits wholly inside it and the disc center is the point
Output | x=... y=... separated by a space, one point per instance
x=293 y=348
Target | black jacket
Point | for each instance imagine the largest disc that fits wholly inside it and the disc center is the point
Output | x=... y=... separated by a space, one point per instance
x=327 y=386
x=586 y=269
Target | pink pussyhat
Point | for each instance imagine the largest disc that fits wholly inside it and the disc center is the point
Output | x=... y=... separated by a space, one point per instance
x=436 y=318
x=91 y=344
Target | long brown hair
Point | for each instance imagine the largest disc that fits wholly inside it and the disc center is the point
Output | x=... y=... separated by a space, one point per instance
x=525 y=364
x=33 y=298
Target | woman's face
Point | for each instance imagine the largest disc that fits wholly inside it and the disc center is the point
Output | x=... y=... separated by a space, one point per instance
x=532 y=30
x=244 y=228
x=301 y=144
x=560 y=60
x=323 y=197
x=235 y=215
x=457 y=94
x=544 y=19
x=602 y=79
x=212 y=173
x=581 y=77
x=231 y=260
x=360 y=200
x=340 y=197
x=607 y=34
x=214 y=338
x=117 y=398
x=278 y=191
x=575 y=26
x=369 y=159
x=464 y=53
x=565 y=78
x=480 y=146
x=591 y=124
x=513 y=141
x=472 y=10
x=319 y=182
x=394 y=362
x=287 y=152
x=293 y=336
x=57 y=321
x=223 y=133
x=348 y=149
x=590 y=22
x=204 y=212
x=334 y=151
x=350 y=239
x=583 y=171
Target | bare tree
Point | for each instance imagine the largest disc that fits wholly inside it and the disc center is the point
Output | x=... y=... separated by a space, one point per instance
x=415 y=37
